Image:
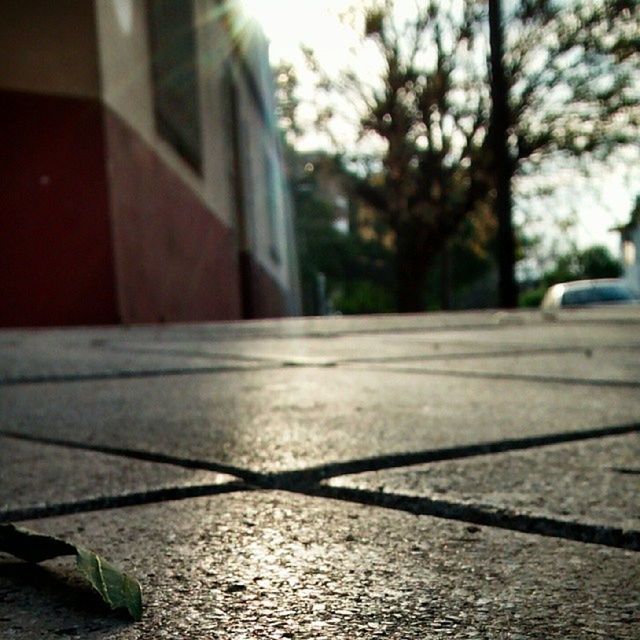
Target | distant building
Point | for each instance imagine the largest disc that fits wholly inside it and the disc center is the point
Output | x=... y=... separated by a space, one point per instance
x=141 y=171
x=630 y=248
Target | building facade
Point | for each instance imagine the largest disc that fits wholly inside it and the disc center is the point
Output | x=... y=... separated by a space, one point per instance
x=630 y=251
x=141 y=165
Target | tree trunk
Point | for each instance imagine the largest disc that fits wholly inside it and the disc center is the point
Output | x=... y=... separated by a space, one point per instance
x=410 y=291
x=445 y=279
x=508 y=292
x=411 y=273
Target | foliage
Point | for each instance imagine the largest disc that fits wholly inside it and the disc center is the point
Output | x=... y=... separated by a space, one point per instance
x=425 y=117
x=362 y=296
x=572 y=73
x=594 y=262
x=356 y=270
x=286 y=101
x=532 y=297
x=634 y=217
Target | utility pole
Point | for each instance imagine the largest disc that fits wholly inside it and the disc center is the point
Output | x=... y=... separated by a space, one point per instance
x=503 y=164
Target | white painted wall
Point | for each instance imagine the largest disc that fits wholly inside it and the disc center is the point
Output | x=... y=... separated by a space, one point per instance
x=260 y=142
x=127 y=90
x=632 y=269
x=64 y=60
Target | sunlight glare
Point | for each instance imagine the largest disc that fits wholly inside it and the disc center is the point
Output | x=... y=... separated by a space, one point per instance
x=289 y=23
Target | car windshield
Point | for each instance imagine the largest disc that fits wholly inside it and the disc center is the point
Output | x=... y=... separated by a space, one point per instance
x=595 y=294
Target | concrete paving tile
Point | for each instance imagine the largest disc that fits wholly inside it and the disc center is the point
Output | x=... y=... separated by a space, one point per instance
x=397 y=323
x=549 y=335
x=78 y=353
x=295 y=417
x=599 y=364
x=33 y=475
x=311 y=351
x=126 y=349
x=281 y=328
x=273 y=565
x=373 y=338
x=593 y=482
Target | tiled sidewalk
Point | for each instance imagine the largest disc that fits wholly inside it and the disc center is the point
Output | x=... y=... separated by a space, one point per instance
x=448 y=475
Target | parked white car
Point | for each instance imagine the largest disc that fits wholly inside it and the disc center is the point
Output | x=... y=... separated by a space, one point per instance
x=581 y=293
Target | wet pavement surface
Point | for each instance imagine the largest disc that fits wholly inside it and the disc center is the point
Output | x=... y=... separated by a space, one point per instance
x=469 y=475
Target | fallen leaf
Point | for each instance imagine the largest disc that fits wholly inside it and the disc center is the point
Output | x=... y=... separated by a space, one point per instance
x=117 y=589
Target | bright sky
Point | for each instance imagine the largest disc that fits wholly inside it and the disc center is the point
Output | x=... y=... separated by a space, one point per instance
x=597 y=203
x=289 y=23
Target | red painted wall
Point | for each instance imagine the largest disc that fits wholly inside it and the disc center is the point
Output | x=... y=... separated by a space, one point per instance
x=175 y=260
x=263 y=296
x=56 y=264
x=96 y=229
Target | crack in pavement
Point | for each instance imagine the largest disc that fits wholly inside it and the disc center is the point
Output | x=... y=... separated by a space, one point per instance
x=307 y=482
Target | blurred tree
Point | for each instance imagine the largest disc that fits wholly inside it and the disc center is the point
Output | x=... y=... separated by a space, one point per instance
x=351 y=272
x=431 y=121
x=356 y=271
x=634 y=217
x=597 y=262
x=571 y=72
x=287 y=102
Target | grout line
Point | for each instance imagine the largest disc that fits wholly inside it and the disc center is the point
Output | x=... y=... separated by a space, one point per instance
x=480 y=515
x=320 y=361
x=320 y=472
x=102 y=503
x=123 y=375
x=305 y=482
x=293 y=359
x=626 y=471
x=513 y=377
x=139 y=454
x=359 y=365
x=266 y=363
x=495 y=323
x=192 y=353
x=462 y=355
x=449 y=510
x=390 y=461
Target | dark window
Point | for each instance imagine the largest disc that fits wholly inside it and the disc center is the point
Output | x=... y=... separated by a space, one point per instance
x=596 y=294
x=613 y=293
x=172 y=40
